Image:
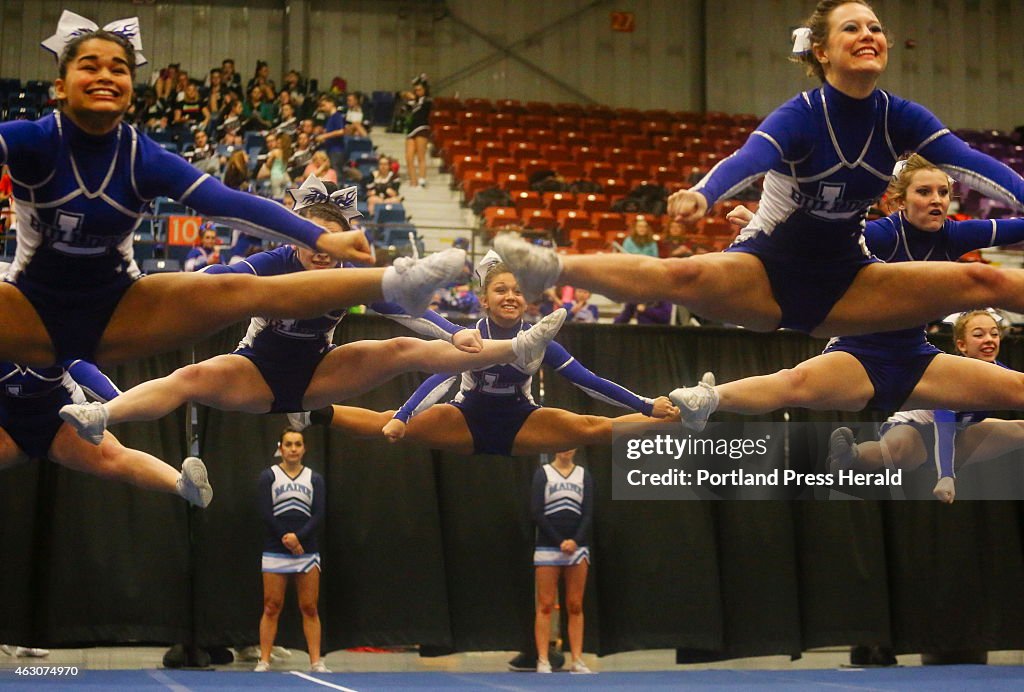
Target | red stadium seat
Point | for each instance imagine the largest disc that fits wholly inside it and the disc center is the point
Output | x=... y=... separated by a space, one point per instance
x=498 y=217
x=651 y=157
x=570 y=220
x=608 y=221
x=524 y=150
x=635 y=142
x=543 y=136
x=588 y=154
x=513 y=182
x=503 y=164
x=502 y=119
x=511 y=134
x=593 y=202
x=619 y=155
x=491 y=150
x=564 y=123
x=441 y=117
x=556 y=201
x=669 y=143
x=600 y=169
x=527 y=199
x=570 y=170
x=556 y=152
x=475 y=181
x=652 y=220
x=532 y=166
x=587 y=241
x=461 y=165
x=613 y=187
x=509 y=106
x=477 y=104
x=575 y=139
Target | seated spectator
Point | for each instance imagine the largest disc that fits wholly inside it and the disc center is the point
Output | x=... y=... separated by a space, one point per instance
x=658 y=312
x=383 y=185
x=355 y=125
x=279 y=152
x=203 y=155
x=236 y=172
x=205 y=253
x=675 y=243
x=295 y=87
x=641 y=239
x=261 y=80
x=152 y=115
x=287 y=123
x=232 y=80
x=215 y=92
x=320 y=166
x=580 y=308
x=166 y=83
x=301 y=156
x=258 y=114
x=190 y=114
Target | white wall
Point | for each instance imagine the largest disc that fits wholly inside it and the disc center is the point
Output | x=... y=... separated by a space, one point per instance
x=967 y=66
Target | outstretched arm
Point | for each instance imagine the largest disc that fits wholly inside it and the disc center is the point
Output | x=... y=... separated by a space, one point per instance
x=426 y=395
x=429 y=323
x=597 y=387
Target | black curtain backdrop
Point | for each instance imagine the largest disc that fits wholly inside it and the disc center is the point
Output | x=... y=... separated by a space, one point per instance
x=435 y=549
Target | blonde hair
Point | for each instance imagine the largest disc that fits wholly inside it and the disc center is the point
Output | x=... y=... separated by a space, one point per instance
x=960 y=326
x=898 y=186
x=818 y=23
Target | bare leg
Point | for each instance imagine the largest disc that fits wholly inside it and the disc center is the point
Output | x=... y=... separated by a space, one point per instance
x=966 y=384
x=113 y=461
x=307 y=585
x=421 y=154
x=575 y=583
x=360 y=422
x=164 y=311
x=547 y=594
x=362 y=365
x=23 y=338
x=905 y=294
x=901 y=447
x=10 y=454
x=832 y=381
x=410 y=161
x=274 y=585
x=228 y=382
x=725 y=286
x=989 y=439
x=550 y=430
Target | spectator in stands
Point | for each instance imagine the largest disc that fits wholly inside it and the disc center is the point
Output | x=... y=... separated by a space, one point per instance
x=232 y=80
x=258 y=113
x=286 y=123
x=190 y=114
x=675 y=242
x=658 y=312
x=295 y=87
x=355 y=125
x=203 y=155
x=301 y=156
x=262 y=79
x=206 y=252
x=334 y=129
x=236 y=172
x=418 y=132
x=580 y=308
x=641 y=239
x=166 y=83
x=320 y=166
x=383 y=185
x=275 y=168
x=232 y=120
x=180 y=86
x=215 y=92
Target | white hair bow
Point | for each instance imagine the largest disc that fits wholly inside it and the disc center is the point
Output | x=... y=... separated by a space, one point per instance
x=313 y=191
x=801 y=40
x=484 y=265
x=898 y=168
x=72 y=25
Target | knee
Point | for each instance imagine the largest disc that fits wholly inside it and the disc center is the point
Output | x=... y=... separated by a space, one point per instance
x=990 y=282
x=309 y=610
x=597 y=429
x=574 y=606
x=271 y=608
x=194 y=378
x=683 y=272
x=794 y=381
x=545 y=606
x=401 y=348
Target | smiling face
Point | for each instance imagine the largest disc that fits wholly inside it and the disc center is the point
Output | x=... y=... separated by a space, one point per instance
x=926 y=200
x=856 y=46
x=981 y=338
x=503 y=300
x=318 y=260
x=97 y=83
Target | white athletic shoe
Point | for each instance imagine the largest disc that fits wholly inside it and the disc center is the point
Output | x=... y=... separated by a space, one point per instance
x=529 y=345
x=262 y=667
x=842 y=450
x=580 y=668
x=543 y=666
x=696 y=403
x=299 y=421
x=536 y=268
x=411 y=283
x=31 y=652
x=319 y=667
x=193 y=484
x=89 y=420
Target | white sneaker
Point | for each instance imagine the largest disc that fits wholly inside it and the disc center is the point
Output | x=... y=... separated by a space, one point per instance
x=411 y=283
x=543 y=666
x=529 y=345
x=193 y=484
x=842 y=450
x=299 y=421
x=535 y=267
x=696 y=403
x=580 y=668
x=423 y=182
x=31 y=652
x=262 y=667
x=7 y=649
x=89 y=420
x=319 y=667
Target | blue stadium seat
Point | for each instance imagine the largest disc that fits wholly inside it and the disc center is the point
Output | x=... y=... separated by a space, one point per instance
x=389 y=213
